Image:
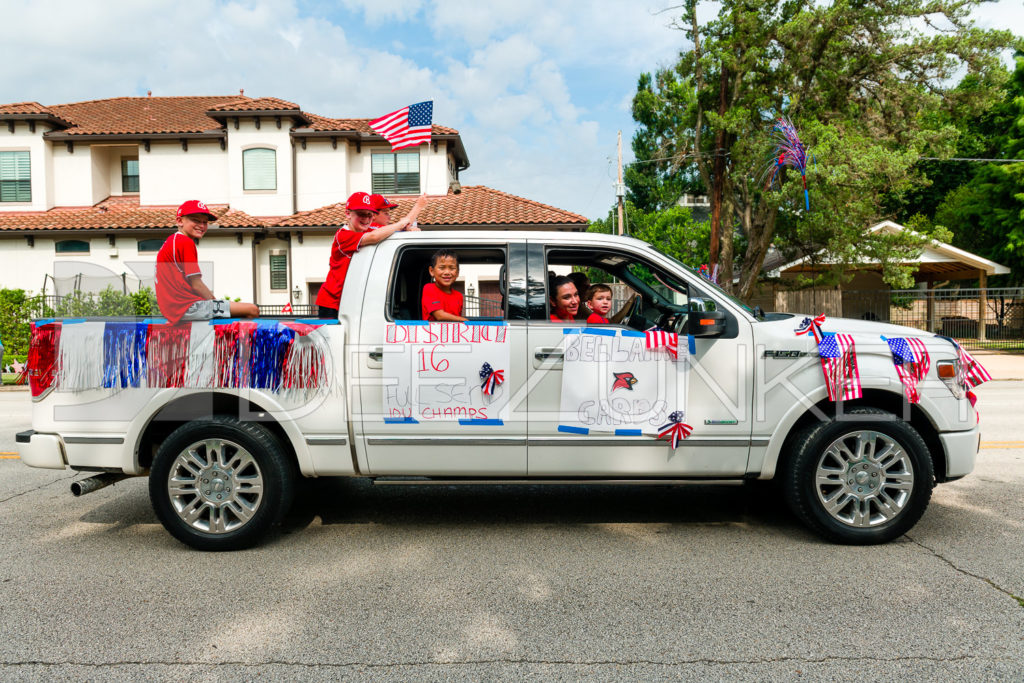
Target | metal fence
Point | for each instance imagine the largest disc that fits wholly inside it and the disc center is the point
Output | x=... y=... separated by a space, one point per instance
x=299 y=310
x=991 y=318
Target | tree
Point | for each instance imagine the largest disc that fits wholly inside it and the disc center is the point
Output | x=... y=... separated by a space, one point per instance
x=864 y=83
x=986 y=215
x=672 y=231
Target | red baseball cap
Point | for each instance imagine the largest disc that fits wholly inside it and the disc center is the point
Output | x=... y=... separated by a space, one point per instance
x=192 y=207
x=381 y=202
x=360 y=201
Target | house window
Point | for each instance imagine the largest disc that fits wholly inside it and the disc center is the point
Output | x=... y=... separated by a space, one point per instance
x=15 y=177
x=150 y=245
x=129 y=175
x=279 y=270
x=71 y=247
x=259 y=169
x=396 y=173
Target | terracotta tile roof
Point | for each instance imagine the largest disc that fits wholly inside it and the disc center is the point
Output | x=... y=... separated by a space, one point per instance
x=139 y=115
x=117 y=213
x=152 y=115
x=476 y=205
x=24 y=108
x=360 y=125
x=257 y=104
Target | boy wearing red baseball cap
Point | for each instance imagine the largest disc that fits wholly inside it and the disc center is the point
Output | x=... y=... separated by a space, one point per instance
x=359 y=232
x=382 y=205
x=180 y=290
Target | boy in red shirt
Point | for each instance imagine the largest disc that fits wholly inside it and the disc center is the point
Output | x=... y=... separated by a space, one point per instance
x=180 y=290
x=359 y=232
x=382 y=205
x=599 y=300
x=440 y=301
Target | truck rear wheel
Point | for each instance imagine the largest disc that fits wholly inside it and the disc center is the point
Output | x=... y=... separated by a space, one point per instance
x=221 y=484
x=861 y=480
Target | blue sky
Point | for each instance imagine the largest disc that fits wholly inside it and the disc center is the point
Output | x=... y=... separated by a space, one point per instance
x=538 y=88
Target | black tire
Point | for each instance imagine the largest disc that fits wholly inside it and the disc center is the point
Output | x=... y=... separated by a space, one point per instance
x=874 y=496
x=237 y=490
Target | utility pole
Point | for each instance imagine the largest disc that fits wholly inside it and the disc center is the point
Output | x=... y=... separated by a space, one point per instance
x=620 y=188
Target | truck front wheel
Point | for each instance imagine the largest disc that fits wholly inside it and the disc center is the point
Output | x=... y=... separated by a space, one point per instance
x=862 y=479
x=221 y=484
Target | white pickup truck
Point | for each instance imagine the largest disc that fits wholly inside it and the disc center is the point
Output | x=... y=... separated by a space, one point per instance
x=223 y=454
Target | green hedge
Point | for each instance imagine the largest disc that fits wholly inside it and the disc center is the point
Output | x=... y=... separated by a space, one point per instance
x=17 y=309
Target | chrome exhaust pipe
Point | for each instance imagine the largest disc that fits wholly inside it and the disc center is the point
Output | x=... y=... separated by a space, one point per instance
x=96 y=482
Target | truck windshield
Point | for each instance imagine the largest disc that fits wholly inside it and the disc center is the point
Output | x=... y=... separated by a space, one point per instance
x=707 y=283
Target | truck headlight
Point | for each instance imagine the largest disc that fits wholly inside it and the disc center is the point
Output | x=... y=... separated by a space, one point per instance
x=949 y=372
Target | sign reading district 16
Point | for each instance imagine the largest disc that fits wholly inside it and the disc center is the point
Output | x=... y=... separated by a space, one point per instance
x=614 y=383
x=446 y=371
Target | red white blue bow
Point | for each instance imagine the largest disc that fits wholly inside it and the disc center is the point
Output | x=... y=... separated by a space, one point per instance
x=491 y=379
x=675 y=430
x=812 y=326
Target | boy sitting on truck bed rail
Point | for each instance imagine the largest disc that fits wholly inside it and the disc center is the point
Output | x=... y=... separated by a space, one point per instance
x=180 y=290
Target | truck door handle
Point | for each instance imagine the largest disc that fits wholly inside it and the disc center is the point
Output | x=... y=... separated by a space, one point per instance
x=546 y=353
x=377 y=354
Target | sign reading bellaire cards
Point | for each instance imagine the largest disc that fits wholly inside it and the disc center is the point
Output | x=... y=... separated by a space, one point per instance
x=445 y=372
x=612 y=383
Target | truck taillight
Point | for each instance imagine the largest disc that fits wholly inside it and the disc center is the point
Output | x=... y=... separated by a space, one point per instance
x=42 y=356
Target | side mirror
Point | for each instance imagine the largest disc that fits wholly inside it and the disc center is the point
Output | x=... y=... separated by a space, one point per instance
x=704 y=320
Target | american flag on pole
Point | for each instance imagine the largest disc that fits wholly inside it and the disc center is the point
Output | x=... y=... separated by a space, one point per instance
x=407 y=127
x=910 y=356
x=839 y=365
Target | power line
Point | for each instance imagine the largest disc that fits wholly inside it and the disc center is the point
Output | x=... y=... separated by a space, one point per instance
x=709 y=156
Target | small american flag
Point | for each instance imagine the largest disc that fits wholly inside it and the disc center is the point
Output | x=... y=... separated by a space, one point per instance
x=910 y=356
x=973 y=372
x=839 y=365
x=407 y=127
x=657 y=339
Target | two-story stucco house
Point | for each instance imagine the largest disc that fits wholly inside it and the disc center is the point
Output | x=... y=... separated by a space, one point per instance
x=88 y=191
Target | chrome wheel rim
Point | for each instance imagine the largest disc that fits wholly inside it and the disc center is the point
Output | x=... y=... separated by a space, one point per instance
x=864 y=479
x=215 y=486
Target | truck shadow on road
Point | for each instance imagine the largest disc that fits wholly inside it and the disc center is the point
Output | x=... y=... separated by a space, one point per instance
x=346 y=501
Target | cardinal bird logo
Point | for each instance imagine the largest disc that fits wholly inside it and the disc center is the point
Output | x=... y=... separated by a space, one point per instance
x=624 y=380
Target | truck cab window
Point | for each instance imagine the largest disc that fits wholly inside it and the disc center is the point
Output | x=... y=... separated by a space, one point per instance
x=482 y=281
x=643 y=295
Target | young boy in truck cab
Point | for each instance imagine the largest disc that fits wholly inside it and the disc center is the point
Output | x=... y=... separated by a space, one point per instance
x=599 y=301
x=440 y=301
x=359 y=232
x=180 y=290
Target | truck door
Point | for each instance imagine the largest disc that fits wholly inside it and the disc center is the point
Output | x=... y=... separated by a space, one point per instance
x=430 y=440
x=720 y=380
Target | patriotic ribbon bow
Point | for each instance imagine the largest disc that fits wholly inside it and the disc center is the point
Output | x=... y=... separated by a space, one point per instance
x=675 y=430
x=812 y=326
x=491 y=379
x=660 y=339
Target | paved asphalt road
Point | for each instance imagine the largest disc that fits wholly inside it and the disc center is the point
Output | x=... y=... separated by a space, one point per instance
x=552 y=583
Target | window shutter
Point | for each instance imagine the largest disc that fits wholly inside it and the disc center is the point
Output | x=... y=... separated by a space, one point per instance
x=15 y=177
x=395 y=173
x=279 y=271
x=129 y=175
x=259 y=169
x=408 y=173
